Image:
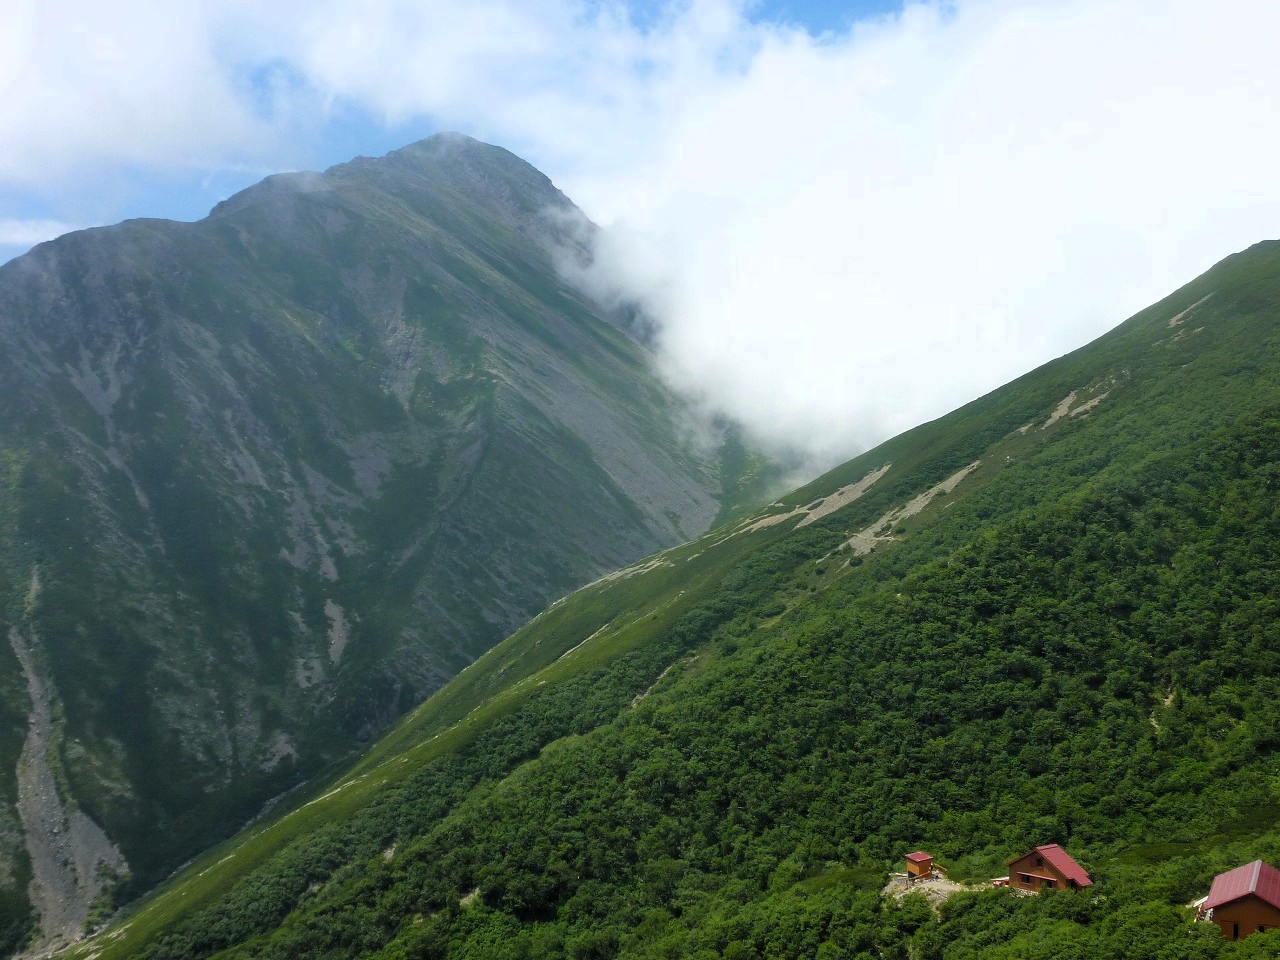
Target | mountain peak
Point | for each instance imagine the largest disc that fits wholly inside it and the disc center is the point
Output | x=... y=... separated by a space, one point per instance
x=446 y=141
x=443 y=162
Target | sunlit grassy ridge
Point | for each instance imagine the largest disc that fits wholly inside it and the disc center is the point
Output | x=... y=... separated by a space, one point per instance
x=721 y=751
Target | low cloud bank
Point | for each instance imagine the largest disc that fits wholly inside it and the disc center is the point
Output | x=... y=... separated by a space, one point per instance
x=851 y=235
x=836 y=236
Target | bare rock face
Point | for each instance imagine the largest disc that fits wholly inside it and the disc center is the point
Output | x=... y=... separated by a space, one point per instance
x=73 y=863
x=282 y=472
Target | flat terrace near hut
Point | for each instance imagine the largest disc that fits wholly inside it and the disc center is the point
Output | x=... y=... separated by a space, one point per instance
x=1048 y=867
x=1244 y=901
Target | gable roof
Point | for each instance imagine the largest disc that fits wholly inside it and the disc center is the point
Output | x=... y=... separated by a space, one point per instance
x=1259 y=879
x=1062 y=861
x=919 y=856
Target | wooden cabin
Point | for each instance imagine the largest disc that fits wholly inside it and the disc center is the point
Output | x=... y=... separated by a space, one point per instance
x=1244 y=901
x=1047 y=868
x=919 y=865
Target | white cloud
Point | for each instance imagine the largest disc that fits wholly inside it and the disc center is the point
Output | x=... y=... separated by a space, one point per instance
x=840 y=237
x=843 y=237
x=136 y=81
x=26 y=233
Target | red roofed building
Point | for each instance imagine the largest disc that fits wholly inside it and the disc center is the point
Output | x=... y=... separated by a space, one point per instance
x=1245 y=900
x=919 y=864
x=1047 y=868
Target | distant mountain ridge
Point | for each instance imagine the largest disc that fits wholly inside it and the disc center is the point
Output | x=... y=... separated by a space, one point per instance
x=270 y=478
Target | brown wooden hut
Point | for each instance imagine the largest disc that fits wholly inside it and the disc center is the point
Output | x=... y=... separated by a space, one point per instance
x=919 y=865
x=1047 y=868
x=1245 y=900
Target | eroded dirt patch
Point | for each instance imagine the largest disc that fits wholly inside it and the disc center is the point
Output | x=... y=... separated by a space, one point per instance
x=822 y=507
x=844 y=496
x=1182 y=317
x=634 y=570
x=1060 y=410
x=866 y=539
x=1088 y=405
x=936 y=889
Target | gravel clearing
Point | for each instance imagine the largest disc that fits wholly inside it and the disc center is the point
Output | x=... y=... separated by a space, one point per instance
x=1181 y=318
x=866 y=539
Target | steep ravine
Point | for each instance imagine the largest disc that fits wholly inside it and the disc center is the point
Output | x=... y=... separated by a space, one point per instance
x=72 y=860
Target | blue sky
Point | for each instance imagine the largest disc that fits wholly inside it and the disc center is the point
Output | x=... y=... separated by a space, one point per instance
x=823 y=15
x=881 y=210
x=101 y=189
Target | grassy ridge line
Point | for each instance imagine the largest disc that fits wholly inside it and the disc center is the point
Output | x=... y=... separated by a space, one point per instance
x=1029 y=398
x=554 y=647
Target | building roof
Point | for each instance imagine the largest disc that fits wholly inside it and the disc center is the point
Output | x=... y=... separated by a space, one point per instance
x=1258 y=878
x=919 y=856
x=1058 y=858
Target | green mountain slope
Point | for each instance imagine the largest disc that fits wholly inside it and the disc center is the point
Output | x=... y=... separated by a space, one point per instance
x=269 y=479
x=1050 y=616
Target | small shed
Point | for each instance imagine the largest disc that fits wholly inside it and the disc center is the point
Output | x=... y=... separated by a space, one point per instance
x=1245 y=900
x=1047 y=867
x=919 y=865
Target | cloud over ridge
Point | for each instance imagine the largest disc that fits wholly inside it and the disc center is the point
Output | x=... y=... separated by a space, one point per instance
x=838 y=236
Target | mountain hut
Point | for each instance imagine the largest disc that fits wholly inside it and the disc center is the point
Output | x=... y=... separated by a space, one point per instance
x=1244 y=901
x=919 y=865
x=1048 y=867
